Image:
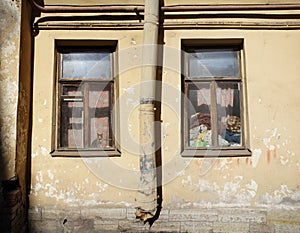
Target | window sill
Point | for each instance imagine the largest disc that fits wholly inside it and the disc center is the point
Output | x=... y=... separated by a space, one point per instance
x=86 y=153
x=202 y=153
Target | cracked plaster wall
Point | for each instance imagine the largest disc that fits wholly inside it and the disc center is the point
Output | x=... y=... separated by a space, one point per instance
x=78 y=181
x=267 y=179
x=9 y=72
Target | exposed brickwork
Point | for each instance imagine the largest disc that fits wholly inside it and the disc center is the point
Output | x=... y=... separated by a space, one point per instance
x=105 y=219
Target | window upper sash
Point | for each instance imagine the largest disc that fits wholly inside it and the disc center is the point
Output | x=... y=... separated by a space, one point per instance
x=212 y=63
x=78 y=64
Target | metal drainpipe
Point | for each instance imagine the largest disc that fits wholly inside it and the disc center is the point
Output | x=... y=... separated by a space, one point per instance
x=147 y=194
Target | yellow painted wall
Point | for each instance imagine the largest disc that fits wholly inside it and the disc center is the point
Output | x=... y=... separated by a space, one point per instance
x=271 y=61
x=267 y=178
x=83 y=181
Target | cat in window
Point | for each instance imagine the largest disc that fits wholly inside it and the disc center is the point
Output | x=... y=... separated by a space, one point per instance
x=98 y=141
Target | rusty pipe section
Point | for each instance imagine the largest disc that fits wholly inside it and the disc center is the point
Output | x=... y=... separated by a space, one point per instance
x=244 y=7
x=146 y=201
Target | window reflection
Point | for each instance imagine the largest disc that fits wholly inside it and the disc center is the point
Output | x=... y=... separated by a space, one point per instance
x=213 y=63
x=199 y=115
x=86 y=65
x=228 y=113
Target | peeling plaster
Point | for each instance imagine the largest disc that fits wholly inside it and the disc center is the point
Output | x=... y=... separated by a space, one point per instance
x=70 y=194
x=133 y=42
x=34 y=155
x=224 y=164
x=256 y=156
x=277 y=145
x=232 y=192
x=102 y=187
x=44 y=151
x=129 y=90
x=52 y=192
x=241 y=190
x=284 y=196
x=50 y=174
x=188 y=181
x=283 y=160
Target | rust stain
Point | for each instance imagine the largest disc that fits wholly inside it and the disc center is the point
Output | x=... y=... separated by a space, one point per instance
x=247 y=160
x=274 y=154
x=238 y=161
x=268 y=156
x=199 y=162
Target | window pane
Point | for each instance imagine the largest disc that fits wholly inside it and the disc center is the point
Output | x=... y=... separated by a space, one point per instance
x=71 y=126
x=70 y=90
x=86 y=65
x=99 y=107
x=213 y=63
x=228 y=114
x=199 y=117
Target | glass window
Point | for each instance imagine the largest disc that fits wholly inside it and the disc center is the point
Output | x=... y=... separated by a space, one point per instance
x=213 y=63
x=213 y=108
x=199 y=113
x=85 y=100
x=86 y=64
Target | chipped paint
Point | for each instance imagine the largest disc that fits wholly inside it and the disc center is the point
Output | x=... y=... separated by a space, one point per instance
x=284 y=195
x=256 y=156
x=33 y=155
x=283 y=160
x=44 y=151
x=133 y=42
x=232 y=192
x=222 y=182
x=102 y=187
x=129 y=90
x=188 y=181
